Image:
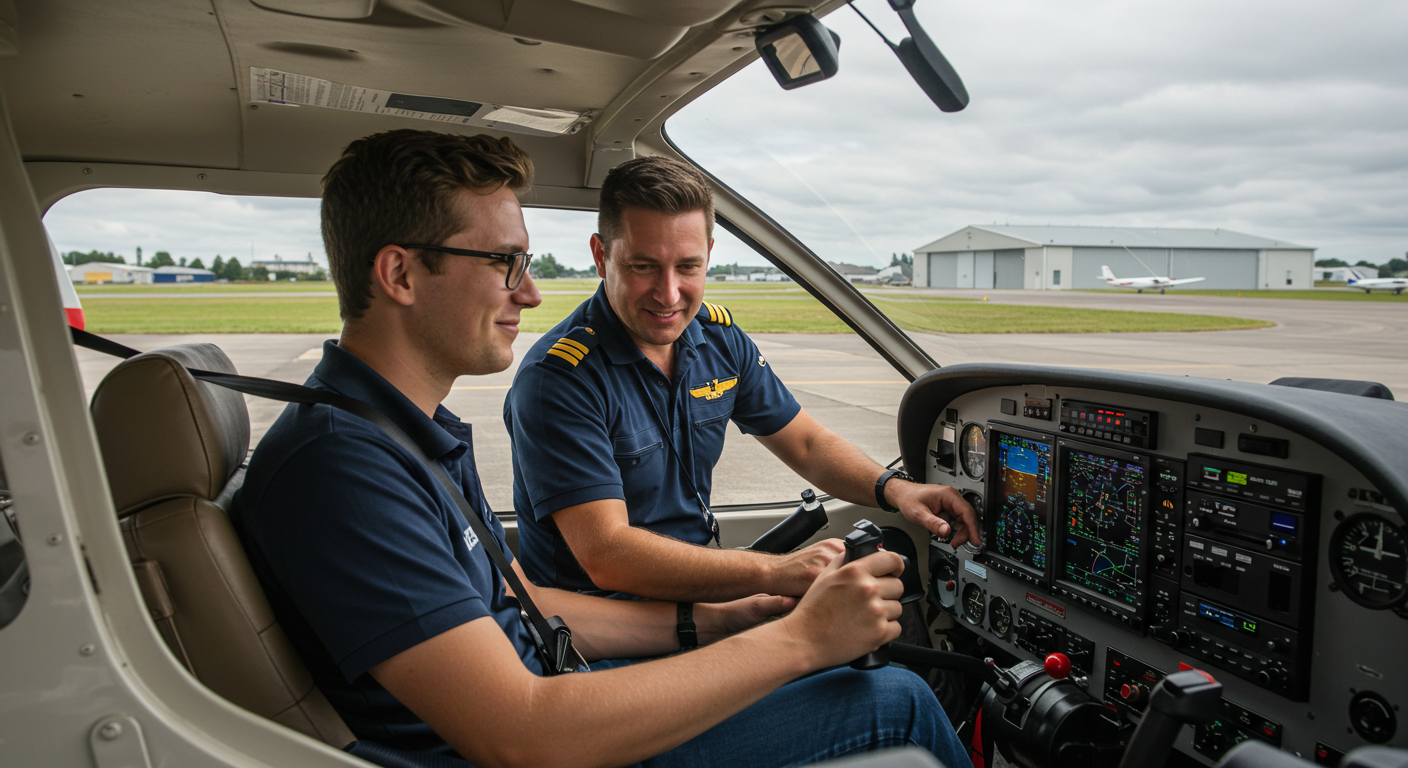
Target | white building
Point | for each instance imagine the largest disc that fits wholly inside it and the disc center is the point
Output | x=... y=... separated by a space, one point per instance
x=96 y=272
x=1343 y=274
x=854 y=273
x=302 y=267
x=1061 y=258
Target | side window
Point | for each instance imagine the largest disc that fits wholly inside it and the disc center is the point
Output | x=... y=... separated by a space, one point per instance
x=156 y=268
x=1055 y=277
x=14 y=572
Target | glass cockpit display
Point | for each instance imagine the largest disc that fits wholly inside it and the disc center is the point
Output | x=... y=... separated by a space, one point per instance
x=1103 y=522
x=1019 y=498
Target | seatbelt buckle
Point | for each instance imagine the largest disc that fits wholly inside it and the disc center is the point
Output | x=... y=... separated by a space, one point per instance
x=559 y=655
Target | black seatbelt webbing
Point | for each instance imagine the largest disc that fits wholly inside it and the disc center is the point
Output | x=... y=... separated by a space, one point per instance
x=553 y=637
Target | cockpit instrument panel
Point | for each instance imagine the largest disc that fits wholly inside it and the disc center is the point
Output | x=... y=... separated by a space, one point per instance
x=1131 y=525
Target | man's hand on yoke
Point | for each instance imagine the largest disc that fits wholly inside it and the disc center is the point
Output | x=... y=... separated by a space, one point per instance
x=622 y=558
x=850 y=610
x=938 y=508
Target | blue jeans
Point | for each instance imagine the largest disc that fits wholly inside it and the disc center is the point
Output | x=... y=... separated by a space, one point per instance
x=824 y=716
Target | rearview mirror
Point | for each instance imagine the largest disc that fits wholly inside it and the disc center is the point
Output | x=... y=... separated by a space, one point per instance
x=799 y=51
x=926 y=64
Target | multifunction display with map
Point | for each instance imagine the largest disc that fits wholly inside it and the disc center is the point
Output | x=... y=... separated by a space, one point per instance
x=1104 y=522
x=1019 y=501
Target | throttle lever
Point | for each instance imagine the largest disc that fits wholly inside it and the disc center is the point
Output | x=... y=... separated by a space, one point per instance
x=1190 y=696
x=866 y=540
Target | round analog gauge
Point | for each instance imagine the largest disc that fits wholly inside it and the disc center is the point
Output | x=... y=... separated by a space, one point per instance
x=973 y=451
x=1369 y=559
x=1000 y=617
x=973 y=603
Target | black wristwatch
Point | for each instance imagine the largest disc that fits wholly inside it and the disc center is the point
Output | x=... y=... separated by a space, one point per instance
x=880 y=487
x=684 y=626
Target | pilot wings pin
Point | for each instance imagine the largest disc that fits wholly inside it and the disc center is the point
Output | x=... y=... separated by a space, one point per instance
x=715 y=389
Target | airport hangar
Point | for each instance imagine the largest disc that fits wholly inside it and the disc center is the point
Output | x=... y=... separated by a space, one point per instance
x=1061 y=258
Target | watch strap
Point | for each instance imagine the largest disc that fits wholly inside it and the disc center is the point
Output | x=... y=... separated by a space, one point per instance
x=684 y=626
x=885 y=477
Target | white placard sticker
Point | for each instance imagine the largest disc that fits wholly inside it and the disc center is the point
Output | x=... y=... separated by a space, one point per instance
x=272 y=86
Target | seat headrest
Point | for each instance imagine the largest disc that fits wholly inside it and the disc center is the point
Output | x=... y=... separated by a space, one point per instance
x=165 y=434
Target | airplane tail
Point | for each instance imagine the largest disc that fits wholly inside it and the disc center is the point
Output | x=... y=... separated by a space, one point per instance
x=1106 y=273
x=1353 y=277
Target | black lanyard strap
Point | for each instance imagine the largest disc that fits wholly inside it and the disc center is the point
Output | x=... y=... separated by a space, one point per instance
x=551 y=635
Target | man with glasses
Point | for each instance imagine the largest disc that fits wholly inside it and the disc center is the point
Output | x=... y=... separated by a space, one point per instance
x=389 y=596
x=618 y=416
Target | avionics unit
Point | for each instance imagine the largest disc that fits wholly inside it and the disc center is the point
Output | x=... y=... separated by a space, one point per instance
x=1018 y=520
x=1102 y=539
x=1247 y=573
x=1124 y=426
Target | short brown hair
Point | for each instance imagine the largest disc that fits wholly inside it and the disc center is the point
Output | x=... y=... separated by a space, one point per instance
x=661 y=184
x=400 y=187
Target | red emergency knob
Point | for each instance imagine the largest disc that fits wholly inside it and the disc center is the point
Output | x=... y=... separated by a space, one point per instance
x=1131 y=692
x=1058 y=665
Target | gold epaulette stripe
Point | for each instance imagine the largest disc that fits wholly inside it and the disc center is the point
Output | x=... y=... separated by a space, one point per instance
x=728 y=316
x=570 y=350
x=565 y=356
x=577 y=345
x=718 y=314
x=713 y=318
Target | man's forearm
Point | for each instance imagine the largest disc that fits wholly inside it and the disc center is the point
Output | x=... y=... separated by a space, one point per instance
x=642 y=563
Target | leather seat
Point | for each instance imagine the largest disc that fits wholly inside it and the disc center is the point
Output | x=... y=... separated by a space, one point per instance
x=174 y=449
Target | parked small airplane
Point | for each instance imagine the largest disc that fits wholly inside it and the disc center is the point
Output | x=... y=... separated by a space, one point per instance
x=1140 y=283
x=1371 y=284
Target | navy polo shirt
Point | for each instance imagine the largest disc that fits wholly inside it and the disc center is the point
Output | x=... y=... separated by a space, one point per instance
x=608 y=424
x=361 y=551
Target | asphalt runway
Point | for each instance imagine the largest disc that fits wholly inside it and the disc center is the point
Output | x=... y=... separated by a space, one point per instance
x=841 y=381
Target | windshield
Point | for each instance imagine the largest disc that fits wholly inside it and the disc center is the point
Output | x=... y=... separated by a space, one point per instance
x=1101 y=142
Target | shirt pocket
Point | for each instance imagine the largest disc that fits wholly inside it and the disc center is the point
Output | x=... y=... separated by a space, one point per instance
x=710 y=426
x=640 y=454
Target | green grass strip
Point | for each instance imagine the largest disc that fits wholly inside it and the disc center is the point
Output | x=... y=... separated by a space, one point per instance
x=787 y=313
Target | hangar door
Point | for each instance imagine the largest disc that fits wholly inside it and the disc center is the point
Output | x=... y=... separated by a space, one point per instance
x=1132 y=262
x=1009 y=268
x=1223 y=269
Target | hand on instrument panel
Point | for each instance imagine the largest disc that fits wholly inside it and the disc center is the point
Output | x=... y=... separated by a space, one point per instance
x=719 y=620
x=851 y=609
x=938 y=508
x=793 y=574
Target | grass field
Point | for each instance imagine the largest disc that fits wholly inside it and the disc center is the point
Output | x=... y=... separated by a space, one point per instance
x=1319 y=294
x=757 y=307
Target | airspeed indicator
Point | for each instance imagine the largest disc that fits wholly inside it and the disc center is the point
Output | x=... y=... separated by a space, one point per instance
x=1369 y=560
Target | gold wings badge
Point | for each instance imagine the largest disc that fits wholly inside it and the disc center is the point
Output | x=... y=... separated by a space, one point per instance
x=714 y=389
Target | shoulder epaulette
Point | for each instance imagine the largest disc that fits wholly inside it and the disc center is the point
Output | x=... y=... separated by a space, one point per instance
x=714 y=313
x=570 y=350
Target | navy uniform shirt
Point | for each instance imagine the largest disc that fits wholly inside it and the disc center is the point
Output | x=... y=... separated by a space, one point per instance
x=591 y=418
x=362 y=552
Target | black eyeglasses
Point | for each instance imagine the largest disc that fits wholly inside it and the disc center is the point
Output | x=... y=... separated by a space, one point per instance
x=517 y=262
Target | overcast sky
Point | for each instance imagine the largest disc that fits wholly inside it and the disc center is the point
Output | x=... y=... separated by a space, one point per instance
x=1287 y=120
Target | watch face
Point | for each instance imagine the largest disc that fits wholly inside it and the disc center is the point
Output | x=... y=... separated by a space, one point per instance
x=973 y=451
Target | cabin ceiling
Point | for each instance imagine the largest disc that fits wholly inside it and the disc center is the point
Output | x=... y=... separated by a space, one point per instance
x=166 y=82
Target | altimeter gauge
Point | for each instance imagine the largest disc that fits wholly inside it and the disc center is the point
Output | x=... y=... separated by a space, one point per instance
x=1000 y=617
x=1369 y=560
x=974 y=603
x=973 y=451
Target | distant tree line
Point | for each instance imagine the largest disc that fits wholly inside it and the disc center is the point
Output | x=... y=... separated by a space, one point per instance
x=545 y=267
x=224 y=270
x=1390 y=268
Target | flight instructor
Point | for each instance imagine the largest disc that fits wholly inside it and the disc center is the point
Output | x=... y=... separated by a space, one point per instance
x=618 y=416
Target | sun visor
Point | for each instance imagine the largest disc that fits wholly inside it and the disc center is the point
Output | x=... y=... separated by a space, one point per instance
x=271 y=86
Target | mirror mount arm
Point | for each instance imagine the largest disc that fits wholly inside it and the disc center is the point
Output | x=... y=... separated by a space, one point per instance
x=925 y=62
